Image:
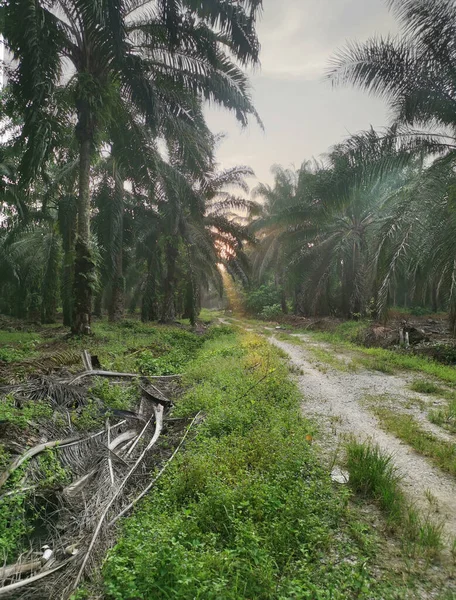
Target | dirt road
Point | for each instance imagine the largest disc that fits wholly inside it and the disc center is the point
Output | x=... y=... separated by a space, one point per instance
x=334 y=399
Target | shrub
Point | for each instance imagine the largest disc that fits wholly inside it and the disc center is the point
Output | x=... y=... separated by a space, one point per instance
x=271 y=312
x=257 y=299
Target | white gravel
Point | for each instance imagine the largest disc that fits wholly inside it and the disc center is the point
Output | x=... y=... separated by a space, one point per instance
x=334 y=399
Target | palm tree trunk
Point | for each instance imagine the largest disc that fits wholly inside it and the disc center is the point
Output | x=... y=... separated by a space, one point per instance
x=116 y=305
x=148 y=306
x=98 y=304
x=190 y=310
x=50 y=281
x=435 y=298
x=84 y=272
x=169 y=284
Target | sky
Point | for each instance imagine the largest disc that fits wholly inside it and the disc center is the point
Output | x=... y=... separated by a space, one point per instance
x=303 y=115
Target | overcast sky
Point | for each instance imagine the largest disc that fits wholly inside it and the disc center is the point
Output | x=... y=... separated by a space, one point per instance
x=303 y=116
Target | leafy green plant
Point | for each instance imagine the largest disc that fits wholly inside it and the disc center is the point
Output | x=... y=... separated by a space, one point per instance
x=257 y=299
x=13 y=525
x=32 y=410
x=271 y=312
x=52 y=473
x=246 y=511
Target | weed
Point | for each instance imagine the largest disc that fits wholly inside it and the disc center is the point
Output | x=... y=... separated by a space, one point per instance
x=430 y=498
x=23 y=415
x=445 y=417
x=245 y=511
x=425 y=387
x=373 y=475
x=51 y=471
x=441 y=452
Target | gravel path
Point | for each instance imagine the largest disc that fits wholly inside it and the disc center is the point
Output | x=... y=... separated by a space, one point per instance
x=334 y=399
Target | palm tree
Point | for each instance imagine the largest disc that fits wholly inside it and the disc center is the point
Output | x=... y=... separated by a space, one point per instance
x=415 y=74
x=321 y=222
x=185 y=230
x=85 y=59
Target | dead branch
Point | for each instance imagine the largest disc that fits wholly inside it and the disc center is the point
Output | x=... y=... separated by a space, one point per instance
x=161 y=399
x=19 y=568
x=91 y=437
x=111 y=470
x=77 y=485
x=158 y=410
x=7 y=589
x=135 y=443
x=101 y=373
x=87 y=360
x=17 y=462
x=157 y=477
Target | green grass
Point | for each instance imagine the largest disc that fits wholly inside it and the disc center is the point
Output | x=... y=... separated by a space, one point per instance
x=245 y=511
x=426 y=387
x=18 y=345
x=388 y=361
x=405 y=427
x=445 y=417
x=374 y=476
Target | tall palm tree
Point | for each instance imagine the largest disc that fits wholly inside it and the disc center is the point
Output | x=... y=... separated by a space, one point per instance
x=145 y=55
x=321 y=221
x=415 y=73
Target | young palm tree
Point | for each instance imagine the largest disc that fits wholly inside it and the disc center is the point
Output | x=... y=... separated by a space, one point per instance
x=147 y=56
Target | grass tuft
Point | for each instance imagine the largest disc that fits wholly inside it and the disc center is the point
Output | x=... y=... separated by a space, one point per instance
x=373 y=475
x=425 y=387
x=441 y=452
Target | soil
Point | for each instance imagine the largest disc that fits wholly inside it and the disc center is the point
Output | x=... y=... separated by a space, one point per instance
x=336 y=400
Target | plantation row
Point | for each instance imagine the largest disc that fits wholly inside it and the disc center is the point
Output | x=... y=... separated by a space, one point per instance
x=112 y=200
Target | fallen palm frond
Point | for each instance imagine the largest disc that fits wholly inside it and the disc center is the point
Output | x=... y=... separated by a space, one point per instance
x=103 y=472
x=157 y=477
x=17 y=462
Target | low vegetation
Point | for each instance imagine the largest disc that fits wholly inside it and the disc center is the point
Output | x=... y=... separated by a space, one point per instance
x=405 y=427
x=246 y=511
x=130 y=346
x=373 y=475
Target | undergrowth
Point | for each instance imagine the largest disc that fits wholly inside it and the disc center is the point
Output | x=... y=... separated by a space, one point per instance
x=381 y=359
x=373 y=475
x=404 y=426
x=246 y=511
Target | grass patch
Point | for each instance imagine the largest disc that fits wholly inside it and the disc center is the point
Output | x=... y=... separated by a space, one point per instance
x=442 y=453
x=246 y=511
x=18 y=345
x=374 y=476
x=426 y=387
x=328 y=357
x=389 y=361
x=445 y=417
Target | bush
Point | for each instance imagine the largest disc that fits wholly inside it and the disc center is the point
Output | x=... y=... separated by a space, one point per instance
x=271 y=312
x=257 y=299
